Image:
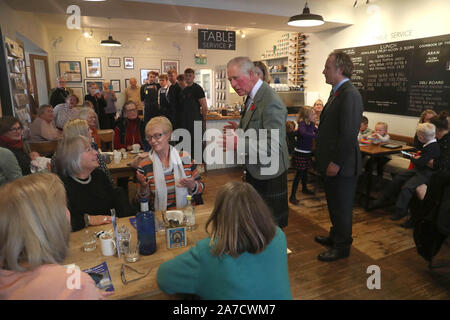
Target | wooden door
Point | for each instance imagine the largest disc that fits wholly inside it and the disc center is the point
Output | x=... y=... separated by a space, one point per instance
x=40 y=78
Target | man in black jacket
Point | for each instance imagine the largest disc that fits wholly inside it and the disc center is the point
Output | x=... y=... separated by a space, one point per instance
x=60 y=93
x=174 y=95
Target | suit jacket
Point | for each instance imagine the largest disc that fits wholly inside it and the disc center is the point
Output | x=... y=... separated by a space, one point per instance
x=269 y=113
x=339 y=125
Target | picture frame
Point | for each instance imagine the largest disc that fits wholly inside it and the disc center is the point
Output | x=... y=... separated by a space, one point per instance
x=128 y=62
x=113 y=62
x=99 y=83
x=93 y=67
x=79 y=92
x=127 y=83
x=166 y=65
x=70 y=70
x=115 y=84
x=144 y=73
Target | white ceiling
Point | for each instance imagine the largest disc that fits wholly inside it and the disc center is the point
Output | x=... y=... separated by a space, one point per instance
x=254 y=17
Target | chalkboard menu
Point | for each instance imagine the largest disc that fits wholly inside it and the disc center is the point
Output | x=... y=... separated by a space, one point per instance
x=404 y=77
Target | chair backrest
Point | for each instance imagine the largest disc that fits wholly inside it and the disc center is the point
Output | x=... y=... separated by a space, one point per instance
x=44 y=148
x=106 y=138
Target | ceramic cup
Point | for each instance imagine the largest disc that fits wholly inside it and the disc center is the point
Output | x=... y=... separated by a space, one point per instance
x=107 y=244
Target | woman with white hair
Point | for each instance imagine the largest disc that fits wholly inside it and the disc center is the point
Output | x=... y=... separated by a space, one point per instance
x=34 y=238
x=89 y=191
x=42 y=129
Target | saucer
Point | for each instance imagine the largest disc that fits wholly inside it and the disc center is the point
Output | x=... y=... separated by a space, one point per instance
x=135 y=152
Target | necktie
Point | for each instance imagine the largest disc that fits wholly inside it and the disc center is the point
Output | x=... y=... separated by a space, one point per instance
x=247 y=103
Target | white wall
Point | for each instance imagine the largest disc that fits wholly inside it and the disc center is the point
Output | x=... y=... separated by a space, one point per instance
x=385 y=21
x=24 y=23
x=67 y=45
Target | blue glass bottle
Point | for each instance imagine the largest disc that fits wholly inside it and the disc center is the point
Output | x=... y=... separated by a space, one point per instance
x=145 y=225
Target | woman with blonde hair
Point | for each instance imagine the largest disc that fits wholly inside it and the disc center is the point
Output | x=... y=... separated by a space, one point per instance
x=34 y=239
x=244 y=256
x=318 y=107
x=167 y=176
x=90 y=116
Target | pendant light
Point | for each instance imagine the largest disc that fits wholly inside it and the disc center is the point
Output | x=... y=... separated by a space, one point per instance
x=110 y=42
x=306 y=19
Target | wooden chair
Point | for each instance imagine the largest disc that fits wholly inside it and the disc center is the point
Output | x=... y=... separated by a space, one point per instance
x=43 y=148
x=106 y=139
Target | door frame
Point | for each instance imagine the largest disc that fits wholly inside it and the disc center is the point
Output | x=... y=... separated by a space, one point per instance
x=33 y=75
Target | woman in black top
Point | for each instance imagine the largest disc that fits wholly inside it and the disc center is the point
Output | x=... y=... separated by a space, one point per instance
x=11 y=131
x=90 y=195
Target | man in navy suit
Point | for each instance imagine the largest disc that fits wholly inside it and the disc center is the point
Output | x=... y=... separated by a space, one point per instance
x=338 y=155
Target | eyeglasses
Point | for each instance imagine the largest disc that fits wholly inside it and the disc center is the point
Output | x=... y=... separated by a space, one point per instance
x=122 y=273
x=131 y=110
x=16 y=129
x=156 y=136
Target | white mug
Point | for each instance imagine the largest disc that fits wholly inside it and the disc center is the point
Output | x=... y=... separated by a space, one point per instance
x=108 y=245
x=136 y=147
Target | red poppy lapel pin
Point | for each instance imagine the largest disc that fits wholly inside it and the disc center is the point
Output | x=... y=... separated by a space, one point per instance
x=252 y=107
x=336 y=93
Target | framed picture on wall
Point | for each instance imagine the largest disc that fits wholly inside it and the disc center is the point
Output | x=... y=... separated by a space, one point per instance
x=128 y=63
x=93 y=67
x=79 y=92
x=115 y=85
x=99 y=83
x=70 y=70
x=113 y=62
x=166 y=65
x=144 y=73
x=127 y=83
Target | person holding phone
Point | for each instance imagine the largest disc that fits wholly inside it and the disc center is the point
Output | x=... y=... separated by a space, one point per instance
x=110 y=97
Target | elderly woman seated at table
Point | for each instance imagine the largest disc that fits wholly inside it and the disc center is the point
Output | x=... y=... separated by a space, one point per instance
x=91 y=117
x=11 y=137
x=34 y=238
x=130 y=129
x=167 y=175
x=65 y=112
x=42 y=129
x=243 y=258
x=74 y=129
x=90 y=194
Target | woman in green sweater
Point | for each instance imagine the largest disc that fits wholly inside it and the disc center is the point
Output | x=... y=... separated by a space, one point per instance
x=244 y=257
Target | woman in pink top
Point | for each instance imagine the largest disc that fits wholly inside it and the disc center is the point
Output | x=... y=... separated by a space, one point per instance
x=34 y=238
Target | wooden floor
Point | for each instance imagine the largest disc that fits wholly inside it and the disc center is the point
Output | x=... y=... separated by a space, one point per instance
x=377 y=241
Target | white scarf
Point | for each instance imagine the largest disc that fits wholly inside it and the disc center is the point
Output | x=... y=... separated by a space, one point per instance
x=176 y=165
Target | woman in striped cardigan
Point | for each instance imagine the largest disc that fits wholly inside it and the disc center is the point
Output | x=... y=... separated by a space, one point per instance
x=167 y=176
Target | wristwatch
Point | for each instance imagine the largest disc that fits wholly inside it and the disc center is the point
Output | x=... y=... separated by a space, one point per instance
x=86 y=219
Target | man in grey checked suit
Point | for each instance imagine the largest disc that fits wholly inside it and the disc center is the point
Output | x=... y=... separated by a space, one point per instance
x=264 y=110
x=338 y=155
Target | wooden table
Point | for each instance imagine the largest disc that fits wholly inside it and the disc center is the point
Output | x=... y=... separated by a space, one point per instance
x=122 y=169
x=145 y=287
x=373 y=150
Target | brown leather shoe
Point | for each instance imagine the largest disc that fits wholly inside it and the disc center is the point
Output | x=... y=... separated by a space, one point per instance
x=325 y=241
x=294 y=201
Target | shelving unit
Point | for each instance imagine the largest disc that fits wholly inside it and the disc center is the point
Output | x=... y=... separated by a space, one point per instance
x=15 y=56
x=221 y=87
x=287 y=60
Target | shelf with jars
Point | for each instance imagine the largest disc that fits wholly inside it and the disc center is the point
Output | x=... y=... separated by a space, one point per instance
x=286 y=61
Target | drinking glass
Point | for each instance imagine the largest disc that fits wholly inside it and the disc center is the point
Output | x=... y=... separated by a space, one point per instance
x=131 y=249
x=123 y=236
x=89 y=241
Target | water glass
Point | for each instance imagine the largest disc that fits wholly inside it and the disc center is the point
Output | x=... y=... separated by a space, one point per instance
x=89 y=241
x=159 y=223
x=131 y=250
